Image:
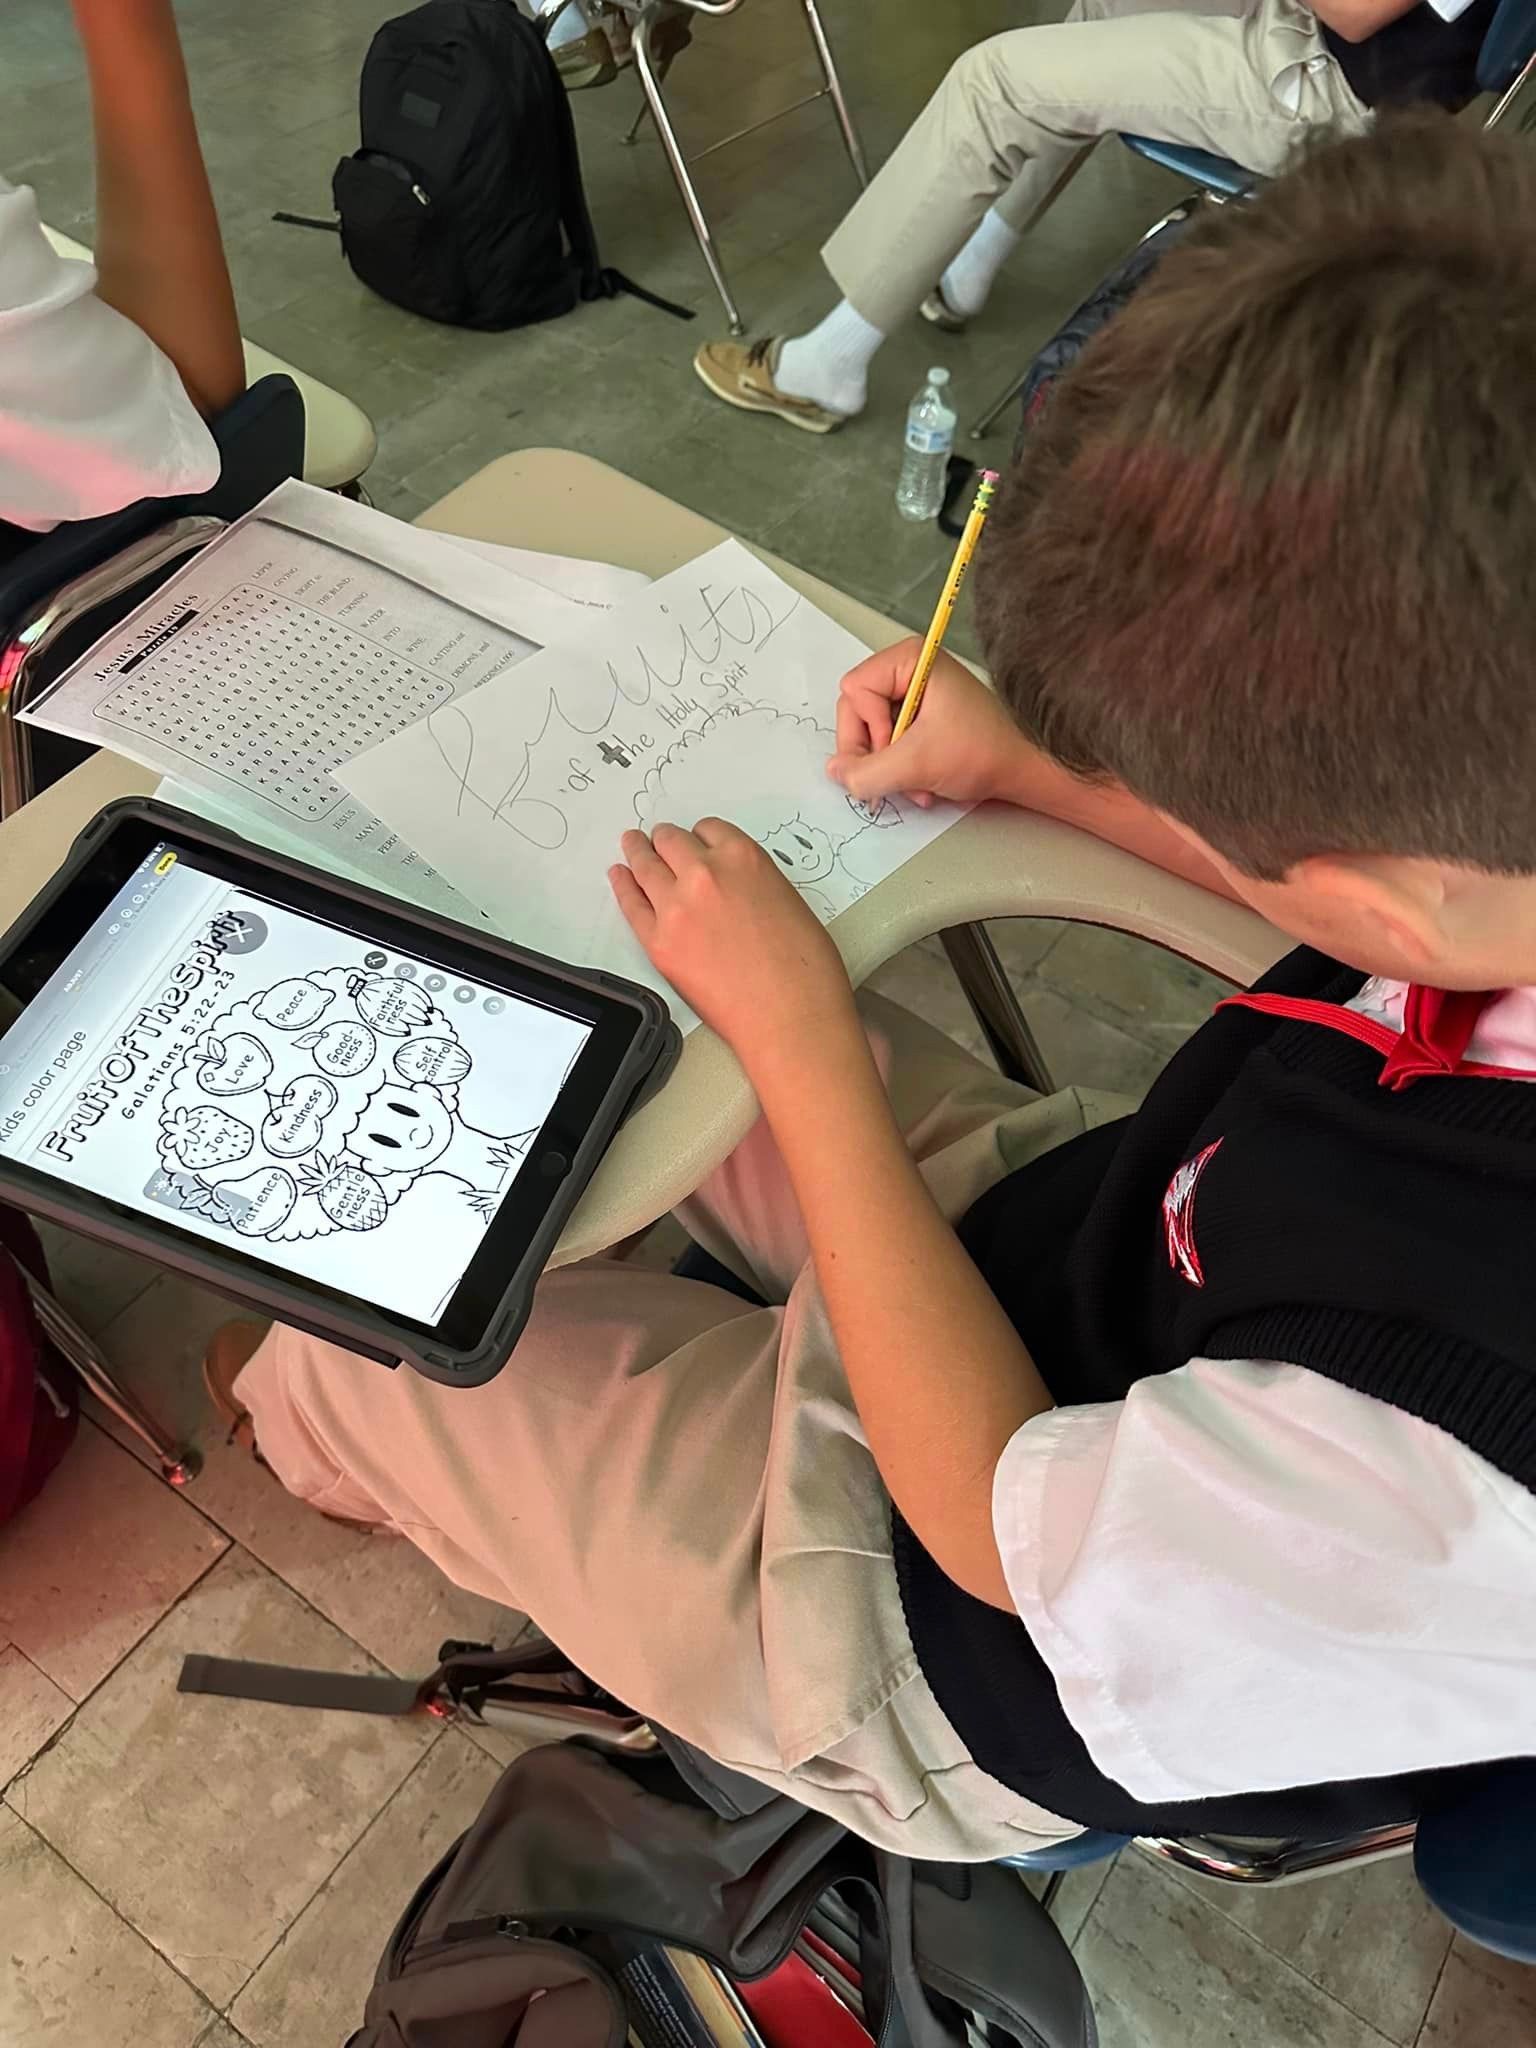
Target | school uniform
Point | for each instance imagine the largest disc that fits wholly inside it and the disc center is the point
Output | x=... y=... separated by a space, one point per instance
x=1279 y=1533
x=92 y=414
x=1016 y=114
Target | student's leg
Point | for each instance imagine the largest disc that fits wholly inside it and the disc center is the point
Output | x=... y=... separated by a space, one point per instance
x=745 y=1214
x=678 y=1490
x=968 y=279
x=1006 y=129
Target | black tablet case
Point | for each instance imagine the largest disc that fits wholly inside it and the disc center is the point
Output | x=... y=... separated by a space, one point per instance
x=373 y=1333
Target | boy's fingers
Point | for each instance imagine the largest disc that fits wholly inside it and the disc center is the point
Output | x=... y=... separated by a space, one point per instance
x=676 y=846
x=650 y=871
x=717 y=832
x=865 y=721
x=633 y=902
x=885 y=673
x=869 y=775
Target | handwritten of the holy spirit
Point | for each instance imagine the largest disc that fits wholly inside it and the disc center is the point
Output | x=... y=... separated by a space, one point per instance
x=570 y=730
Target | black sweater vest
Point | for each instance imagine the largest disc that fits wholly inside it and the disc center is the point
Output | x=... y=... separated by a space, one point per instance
x=1419 y=57
x=1269 y=1200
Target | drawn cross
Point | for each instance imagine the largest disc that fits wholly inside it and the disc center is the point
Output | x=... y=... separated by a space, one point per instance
x=614 y=755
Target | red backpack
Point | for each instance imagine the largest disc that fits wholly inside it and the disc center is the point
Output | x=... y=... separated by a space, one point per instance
x=39 y=1401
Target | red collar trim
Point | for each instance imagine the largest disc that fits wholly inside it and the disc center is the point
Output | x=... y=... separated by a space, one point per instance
x=1437 y=1029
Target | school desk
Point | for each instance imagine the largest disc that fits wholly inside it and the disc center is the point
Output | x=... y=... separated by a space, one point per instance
x=998 y=862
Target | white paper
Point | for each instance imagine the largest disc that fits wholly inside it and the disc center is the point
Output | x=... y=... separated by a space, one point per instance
x=413 y=880
x=312 y=629
x=714 y=691
x=599 y=585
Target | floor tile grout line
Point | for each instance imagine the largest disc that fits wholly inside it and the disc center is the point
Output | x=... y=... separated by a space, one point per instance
x=381 y=1668
x=159 y=1954
x=1376 y=2036
x=63 y=1727
x=1181 y=1877
x=1429 y=2005
x=234 y=1542
x=428 y=1749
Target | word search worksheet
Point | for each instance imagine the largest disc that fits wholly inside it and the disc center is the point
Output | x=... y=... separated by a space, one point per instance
x=713 y=691
x=310 y=631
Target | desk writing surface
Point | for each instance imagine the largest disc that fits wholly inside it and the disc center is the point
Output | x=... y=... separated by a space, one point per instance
x=997 y=863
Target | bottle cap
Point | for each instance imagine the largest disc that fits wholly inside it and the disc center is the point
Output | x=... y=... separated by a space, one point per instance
x=938 y=374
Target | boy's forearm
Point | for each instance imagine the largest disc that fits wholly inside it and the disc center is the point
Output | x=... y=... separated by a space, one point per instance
x=159 y=255
x=938 y=1374
x=1036 y=783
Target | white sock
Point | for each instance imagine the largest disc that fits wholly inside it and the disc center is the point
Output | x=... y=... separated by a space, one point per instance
x=830 y=365
x=969 y=278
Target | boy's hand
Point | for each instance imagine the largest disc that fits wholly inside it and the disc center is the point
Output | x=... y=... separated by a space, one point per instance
x=962 y=745
x=729 y=932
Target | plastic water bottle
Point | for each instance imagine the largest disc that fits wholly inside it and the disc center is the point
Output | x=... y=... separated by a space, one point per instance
x=930 y=438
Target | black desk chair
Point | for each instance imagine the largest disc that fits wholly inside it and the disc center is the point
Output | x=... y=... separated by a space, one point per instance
x=60 y=590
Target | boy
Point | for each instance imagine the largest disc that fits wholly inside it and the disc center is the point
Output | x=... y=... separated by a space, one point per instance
x=1258 y=604
x=107 y=374
x=1016 y=117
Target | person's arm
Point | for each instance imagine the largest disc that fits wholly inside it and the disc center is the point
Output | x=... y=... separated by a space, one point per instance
x=1358 y=20
x=966 y=747
x=159 y=256
x=938 y=1374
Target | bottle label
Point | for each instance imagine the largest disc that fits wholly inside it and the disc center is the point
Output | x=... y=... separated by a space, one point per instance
x=930 y=440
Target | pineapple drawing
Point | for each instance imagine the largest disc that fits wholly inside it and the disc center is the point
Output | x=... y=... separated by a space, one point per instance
x=205 y=1137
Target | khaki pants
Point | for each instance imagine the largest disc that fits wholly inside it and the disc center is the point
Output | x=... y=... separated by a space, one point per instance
x=676 y=1486
x=1016 y=115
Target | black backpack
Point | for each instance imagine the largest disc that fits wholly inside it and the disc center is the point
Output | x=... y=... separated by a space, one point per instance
x=465 y=202
x=551 y=1922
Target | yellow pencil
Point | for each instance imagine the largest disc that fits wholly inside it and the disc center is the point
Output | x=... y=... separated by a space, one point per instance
x=944 y=609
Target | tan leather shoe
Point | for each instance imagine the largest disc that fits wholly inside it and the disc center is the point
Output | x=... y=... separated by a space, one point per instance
x=741 y=372
x=938 y=312
x=586 y=62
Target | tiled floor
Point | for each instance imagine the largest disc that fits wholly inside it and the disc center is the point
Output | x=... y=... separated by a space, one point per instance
x=176 y=1870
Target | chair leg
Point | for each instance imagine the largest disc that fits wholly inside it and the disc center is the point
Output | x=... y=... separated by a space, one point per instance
x=990 y=994
x=835 y=91
x=632 y=132
x=650 y=84
x=178 y=1462
x=1053 y=1885
x=980 y=428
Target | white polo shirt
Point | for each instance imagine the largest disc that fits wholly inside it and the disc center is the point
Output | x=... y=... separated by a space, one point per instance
x=1246 y=1576
x=92 y=414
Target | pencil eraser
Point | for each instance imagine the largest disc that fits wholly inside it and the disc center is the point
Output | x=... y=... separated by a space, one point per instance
x=991 y=476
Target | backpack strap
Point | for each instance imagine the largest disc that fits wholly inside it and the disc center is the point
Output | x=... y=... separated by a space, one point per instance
x=595 y=279
x=287 y=1685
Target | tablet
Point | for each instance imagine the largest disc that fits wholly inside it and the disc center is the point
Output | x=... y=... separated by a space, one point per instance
x=355 y=1116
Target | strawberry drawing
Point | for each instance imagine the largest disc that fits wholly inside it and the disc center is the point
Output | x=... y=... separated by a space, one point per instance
x=206 y=1136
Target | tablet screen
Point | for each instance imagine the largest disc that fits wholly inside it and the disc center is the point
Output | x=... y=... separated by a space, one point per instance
x=282 y=1085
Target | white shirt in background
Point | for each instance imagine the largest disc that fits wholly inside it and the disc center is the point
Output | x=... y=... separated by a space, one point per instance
x=1246 y=1576
x=92 y=414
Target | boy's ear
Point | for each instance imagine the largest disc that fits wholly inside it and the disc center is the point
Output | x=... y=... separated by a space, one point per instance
x=1404 y=900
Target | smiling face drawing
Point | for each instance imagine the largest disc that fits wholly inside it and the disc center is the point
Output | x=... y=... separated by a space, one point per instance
x=402 y=1130
x=805 y=852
